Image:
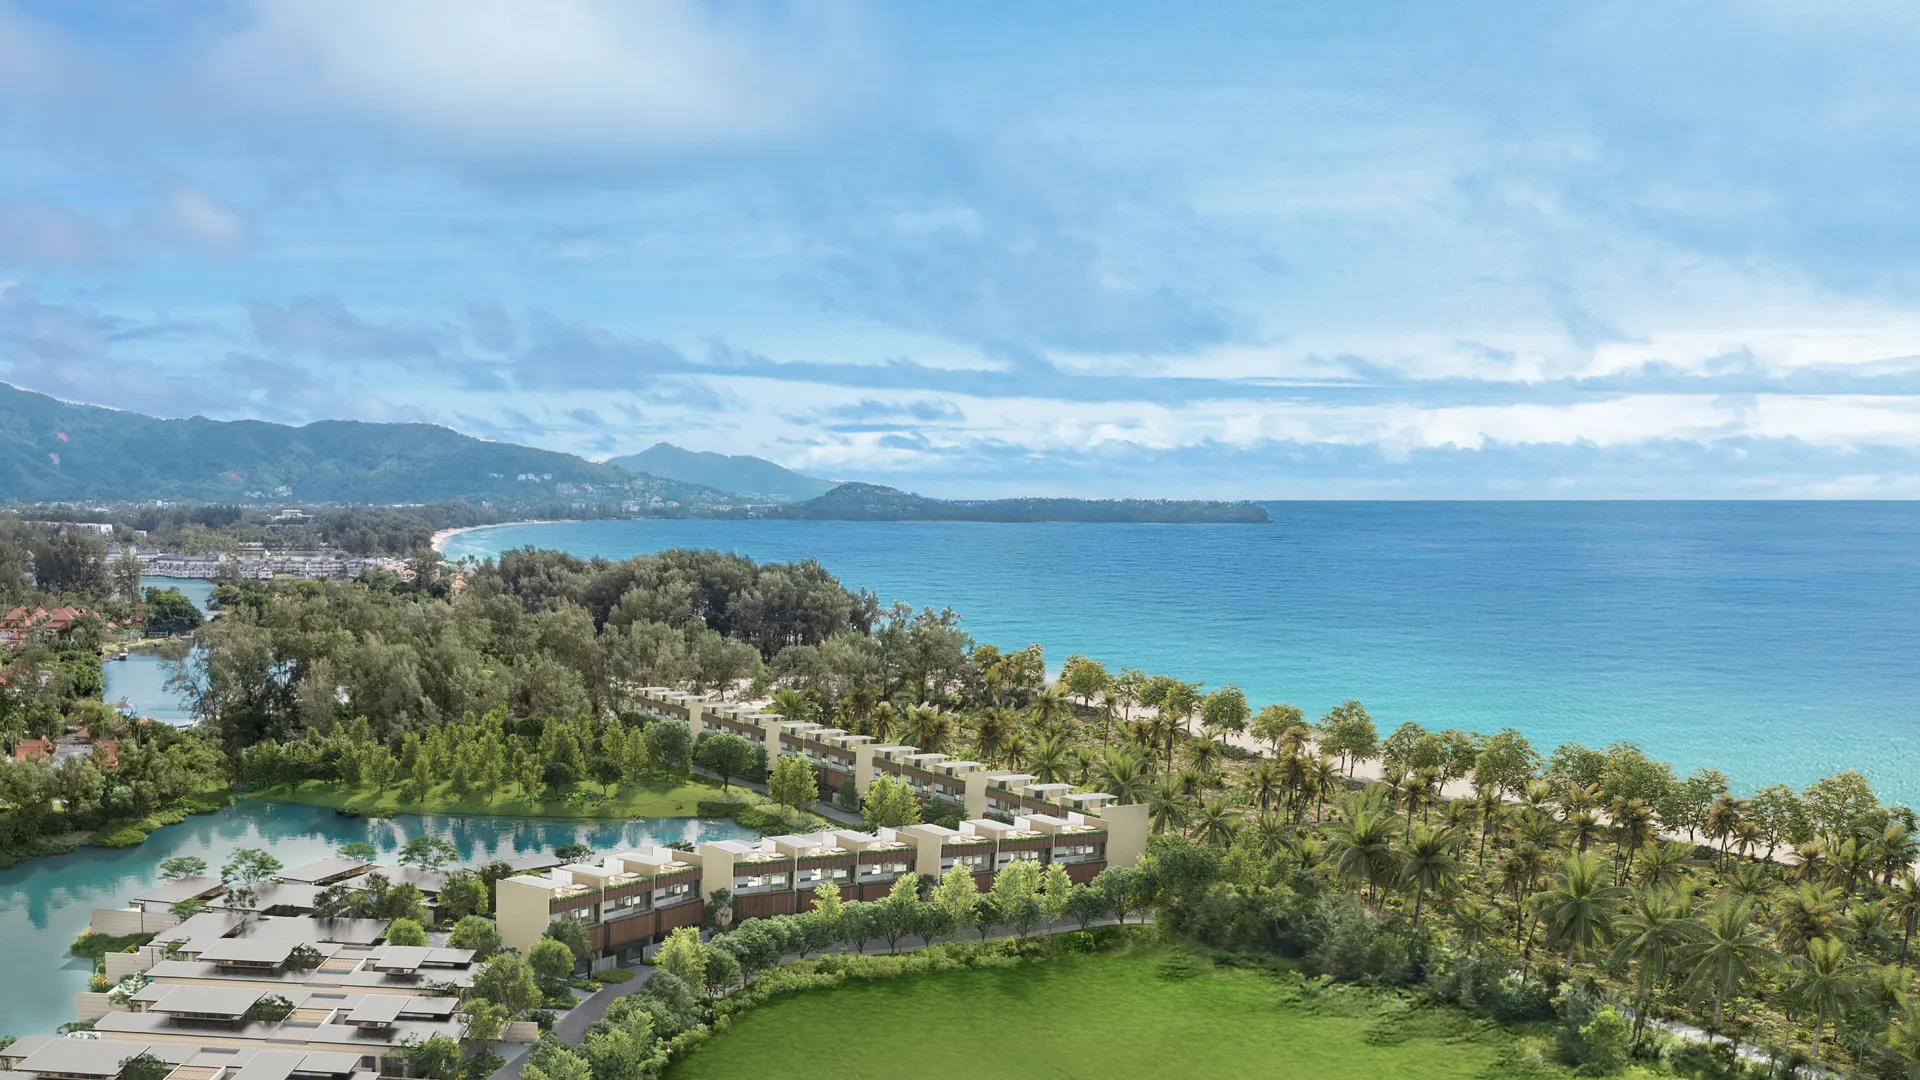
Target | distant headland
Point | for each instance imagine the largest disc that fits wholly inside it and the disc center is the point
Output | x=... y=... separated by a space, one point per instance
x=873 y=502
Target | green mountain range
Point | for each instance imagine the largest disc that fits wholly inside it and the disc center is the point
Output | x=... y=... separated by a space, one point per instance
x=872 y=502
x=57 y=451
x=749 y=477
x=52 y=450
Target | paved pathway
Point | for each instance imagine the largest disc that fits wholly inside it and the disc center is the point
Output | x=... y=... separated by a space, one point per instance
x=571 y=1027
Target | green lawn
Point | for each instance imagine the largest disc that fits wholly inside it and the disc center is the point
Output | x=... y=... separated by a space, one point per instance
x=1136 y=1016
x=659 y=797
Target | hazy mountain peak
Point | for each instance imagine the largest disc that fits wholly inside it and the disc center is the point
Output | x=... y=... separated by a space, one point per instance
x=741 y=474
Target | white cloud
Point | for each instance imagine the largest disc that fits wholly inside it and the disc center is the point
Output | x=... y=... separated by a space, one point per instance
x=184 y=219
x=510 y=79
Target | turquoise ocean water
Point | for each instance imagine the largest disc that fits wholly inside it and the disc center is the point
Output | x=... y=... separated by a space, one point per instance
x=1776 y=641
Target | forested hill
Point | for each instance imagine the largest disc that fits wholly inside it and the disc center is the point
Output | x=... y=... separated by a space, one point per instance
x=744 y=475
x=872 y=502
x=54 y=450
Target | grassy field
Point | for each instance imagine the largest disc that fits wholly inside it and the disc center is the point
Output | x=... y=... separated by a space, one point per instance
x=660 y=797
x=1135 y=1016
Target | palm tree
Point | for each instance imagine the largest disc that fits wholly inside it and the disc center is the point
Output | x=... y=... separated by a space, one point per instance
x=1751 y=881
x=1868 y=928
x=1361 y=842
x=1194 y=782
x=1580 y=907
x=1050 y=708
x=1216 y=822
x=1632 y=826
x=792 y=705
x=1049 y=759
x=1531 y=826
x=1722 y=818
x=1016 y=750
x=1898 y=849
x=1165 y=726
x=1273 y=832
x=1112 y=703
x=1727 y=952
x=1295 y=776
x=1394 y=781
x=1906 y=904
x=1585 y=826
x=880 y=724
x=1515 y=874
x=1167 y=804
x=1323 y=776
x=1825 y=980
x=1145 y=738
x=1085 y=764
x=1264 y=781
x=1537 y=796
x=1427 y=864
x=990 y=733
x=1575 y=798
x=1122 y=776
x=1902 y=1040
x=1204 y=754
x=1806 y=913
x=1666 y=864
x=1492 y=807
x=1427 y=781
x=1461 y=815
x=1475 y=923
x=928 y=728
x=1851 y=862
x=1657 y=924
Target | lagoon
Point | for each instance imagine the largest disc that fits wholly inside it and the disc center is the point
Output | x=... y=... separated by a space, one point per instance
x=140 y=678
x=1775 y=641
x=45 y=903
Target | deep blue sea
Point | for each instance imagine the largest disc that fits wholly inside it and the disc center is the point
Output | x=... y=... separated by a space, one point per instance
x=1776 y=641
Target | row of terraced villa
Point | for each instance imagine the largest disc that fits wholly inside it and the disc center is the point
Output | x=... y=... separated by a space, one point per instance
x=629 y=899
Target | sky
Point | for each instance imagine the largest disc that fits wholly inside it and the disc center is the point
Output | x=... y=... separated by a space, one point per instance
x=1216 y=249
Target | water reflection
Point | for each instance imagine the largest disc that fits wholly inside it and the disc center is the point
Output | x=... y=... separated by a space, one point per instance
x=45 y=903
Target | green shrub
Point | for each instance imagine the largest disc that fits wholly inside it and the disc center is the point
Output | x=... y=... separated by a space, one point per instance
x=1604 y=1044
x=615 y=975
x=124 y=836
x=96 y=946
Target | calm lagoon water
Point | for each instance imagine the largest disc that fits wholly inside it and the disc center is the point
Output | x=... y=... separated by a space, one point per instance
x=46 y=903
x=1776 y=641
x=141 y=678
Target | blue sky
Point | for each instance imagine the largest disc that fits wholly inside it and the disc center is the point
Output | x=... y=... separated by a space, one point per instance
x=1226 y=249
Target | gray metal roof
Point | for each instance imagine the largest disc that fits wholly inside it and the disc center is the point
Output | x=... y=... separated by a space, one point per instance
x=97 y=1057
x=185 y=888
x=248 y=950
x=324 y=871
x=208 y=1000
x=399 y=957
x=378 y=1010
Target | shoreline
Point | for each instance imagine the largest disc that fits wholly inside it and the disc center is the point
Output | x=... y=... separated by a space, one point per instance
x=439 y=541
